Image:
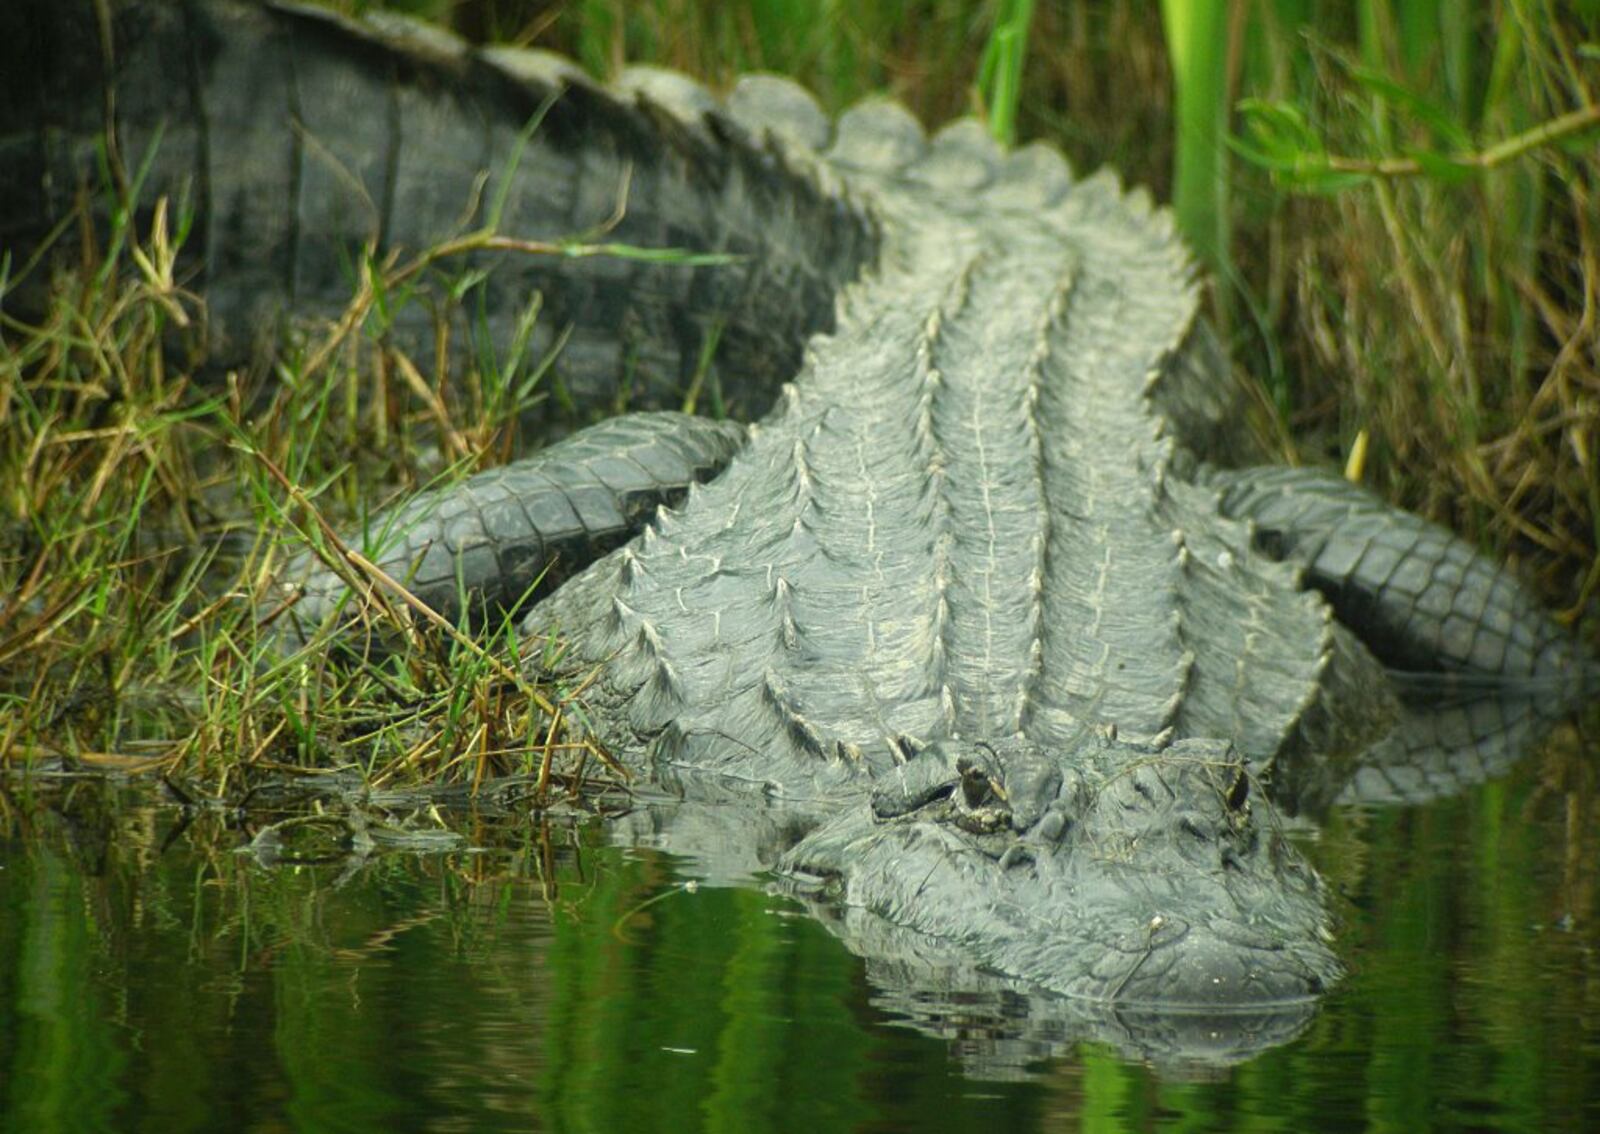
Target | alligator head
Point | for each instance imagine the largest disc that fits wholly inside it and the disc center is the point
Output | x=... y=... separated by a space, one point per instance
x=1117 y=873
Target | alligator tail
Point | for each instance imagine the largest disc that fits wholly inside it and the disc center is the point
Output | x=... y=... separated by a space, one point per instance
x=296 y=139
x=1440 y=615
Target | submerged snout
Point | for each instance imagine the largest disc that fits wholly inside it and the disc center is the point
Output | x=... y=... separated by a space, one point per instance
x=1174 y=963
x=1118 y=874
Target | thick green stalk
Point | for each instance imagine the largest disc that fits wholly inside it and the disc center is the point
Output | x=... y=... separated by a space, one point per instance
x=1197 y=43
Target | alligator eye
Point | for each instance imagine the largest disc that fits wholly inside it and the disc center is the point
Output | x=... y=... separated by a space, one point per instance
x=977 y=788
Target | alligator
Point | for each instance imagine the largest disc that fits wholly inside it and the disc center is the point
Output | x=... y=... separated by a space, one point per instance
x=990 y=639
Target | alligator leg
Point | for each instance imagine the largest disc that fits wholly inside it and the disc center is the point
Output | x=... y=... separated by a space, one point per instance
x=487 y=545
x=1419 y=597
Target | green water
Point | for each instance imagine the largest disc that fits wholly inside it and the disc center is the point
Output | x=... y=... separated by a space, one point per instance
x=153 y=977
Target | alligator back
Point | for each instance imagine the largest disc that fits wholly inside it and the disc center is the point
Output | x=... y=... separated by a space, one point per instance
x=296 y=139
x=973 y=516
x=977 y=511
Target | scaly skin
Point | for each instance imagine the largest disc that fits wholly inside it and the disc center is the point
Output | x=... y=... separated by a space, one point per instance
x=297 y=138
x=511 y=534
x=971 y=638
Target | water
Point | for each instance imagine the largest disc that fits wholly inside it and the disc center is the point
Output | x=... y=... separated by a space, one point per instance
x=154 y=977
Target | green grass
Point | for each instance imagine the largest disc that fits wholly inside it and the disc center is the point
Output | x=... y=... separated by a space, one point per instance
x=1198 y=45
x=145 y=520
x=1397 y=207
x=1429 y=268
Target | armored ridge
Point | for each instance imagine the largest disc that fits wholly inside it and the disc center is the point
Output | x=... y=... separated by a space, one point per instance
x=971 y=636
x=968 y=518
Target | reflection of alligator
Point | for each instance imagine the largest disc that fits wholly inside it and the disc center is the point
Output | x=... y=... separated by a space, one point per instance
x=973 y=611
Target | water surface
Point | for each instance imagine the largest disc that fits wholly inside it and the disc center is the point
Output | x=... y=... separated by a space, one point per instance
x=155 y=977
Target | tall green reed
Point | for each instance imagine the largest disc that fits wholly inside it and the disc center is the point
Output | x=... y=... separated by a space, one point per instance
x=1199 y=43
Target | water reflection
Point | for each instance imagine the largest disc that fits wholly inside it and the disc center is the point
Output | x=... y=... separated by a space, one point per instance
x=555 y=980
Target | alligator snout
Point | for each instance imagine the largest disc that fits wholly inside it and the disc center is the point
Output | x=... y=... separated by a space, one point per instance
x=1176 y=963
x=1115 y=872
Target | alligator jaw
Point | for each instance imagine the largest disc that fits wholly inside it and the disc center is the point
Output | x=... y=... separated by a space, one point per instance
x=1115 y=873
